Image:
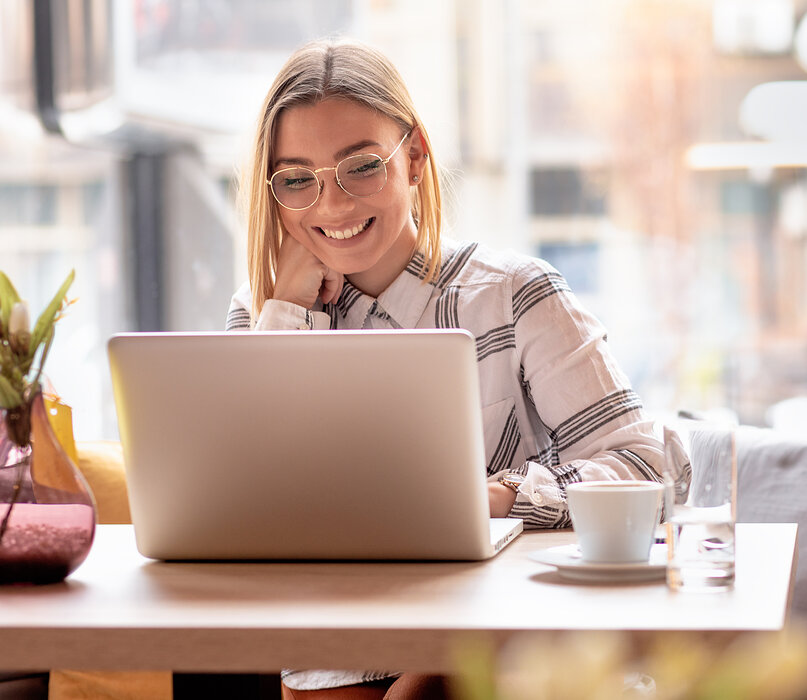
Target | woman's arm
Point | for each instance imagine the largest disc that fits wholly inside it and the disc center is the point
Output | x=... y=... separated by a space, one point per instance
x=501 y=499
x=595 y=420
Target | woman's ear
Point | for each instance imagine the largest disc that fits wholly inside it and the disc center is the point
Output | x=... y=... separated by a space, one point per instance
x=418 y=156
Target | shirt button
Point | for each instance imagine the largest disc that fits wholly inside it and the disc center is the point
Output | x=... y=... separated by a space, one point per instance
x=538 y=498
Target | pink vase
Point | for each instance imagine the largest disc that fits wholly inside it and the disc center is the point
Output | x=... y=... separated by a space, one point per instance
x=47 y=512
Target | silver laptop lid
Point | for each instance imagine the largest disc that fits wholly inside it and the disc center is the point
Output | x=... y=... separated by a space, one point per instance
x=316 y=445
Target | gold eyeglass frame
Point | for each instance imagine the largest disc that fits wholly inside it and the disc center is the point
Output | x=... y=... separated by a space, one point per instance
x=335 y=168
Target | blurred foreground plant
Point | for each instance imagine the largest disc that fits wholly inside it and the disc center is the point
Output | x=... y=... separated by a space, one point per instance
x=608 y=666
x=23 y=352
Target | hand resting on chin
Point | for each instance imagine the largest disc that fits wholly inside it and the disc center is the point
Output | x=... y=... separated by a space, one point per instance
x=301 y=277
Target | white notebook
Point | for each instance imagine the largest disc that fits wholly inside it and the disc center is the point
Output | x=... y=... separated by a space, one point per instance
x=332 y=445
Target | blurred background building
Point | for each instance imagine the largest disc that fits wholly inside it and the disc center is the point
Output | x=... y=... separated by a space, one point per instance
x=655 y=151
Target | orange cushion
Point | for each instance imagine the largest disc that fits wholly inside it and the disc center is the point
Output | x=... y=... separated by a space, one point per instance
x=101 y=463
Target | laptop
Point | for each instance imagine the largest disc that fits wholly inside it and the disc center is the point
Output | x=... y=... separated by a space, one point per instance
x=323 y=445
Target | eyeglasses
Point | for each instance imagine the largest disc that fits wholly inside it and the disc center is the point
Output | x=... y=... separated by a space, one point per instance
x=361 y=175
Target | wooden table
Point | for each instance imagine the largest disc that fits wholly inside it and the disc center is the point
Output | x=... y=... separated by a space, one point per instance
x=122 y=611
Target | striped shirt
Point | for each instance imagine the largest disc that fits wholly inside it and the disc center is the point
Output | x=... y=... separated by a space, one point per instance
x=555 y=405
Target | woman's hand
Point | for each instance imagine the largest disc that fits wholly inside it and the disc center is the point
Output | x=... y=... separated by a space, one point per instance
x=501 y=499
x=301 y=277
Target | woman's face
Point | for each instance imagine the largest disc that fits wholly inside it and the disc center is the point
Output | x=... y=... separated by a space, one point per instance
x=321 y=135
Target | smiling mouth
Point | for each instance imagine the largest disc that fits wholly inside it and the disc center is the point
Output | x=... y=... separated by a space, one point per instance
x=347 y=233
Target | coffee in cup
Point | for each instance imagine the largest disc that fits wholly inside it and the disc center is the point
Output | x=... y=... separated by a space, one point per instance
x=615 y=521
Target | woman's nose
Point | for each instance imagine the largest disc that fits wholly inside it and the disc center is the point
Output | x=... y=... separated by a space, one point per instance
x=331 y=196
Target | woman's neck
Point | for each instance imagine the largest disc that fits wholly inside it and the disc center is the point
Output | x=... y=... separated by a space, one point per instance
x=375 y=280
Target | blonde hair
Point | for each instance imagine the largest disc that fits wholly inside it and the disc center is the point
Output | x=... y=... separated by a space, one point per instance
x=315 y=72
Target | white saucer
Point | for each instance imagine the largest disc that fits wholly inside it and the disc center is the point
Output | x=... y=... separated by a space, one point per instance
x=570 y=565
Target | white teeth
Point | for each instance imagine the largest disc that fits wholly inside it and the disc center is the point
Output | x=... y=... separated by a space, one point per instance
x=347 y=233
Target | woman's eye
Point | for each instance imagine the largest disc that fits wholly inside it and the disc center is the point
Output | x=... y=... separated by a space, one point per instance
x=298 y=183
x=368 y=167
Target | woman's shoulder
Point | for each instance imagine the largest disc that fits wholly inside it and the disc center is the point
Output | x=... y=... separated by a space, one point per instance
x=485 y=262
x=242 y=297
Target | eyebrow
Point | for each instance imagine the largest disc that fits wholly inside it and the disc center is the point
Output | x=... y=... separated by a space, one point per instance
x=339 y=155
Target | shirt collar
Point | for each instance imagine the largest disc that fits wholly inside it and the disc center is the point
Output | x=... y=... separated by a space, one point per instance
x=404 y=300
x=353 y=306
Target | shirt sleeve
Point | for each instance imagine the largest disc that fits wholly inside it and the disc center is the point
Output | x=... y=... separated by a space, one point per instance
x=279 y=315
x=595 y=421
x=275 y=315
x=238 y=315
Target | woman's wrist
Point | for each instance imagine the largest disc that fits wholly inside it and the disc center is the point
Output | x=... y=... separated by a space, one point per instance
x=501 y=499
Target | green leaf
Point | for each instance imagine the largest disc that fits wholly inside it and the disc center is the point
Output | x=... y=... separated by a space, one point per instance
x=45 y=320
x=44 y=355
x=9 y=396
x=8 y=297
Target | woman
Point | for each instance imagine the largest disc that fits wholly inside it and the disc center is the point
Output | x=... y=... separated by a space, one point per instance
x=344 y=232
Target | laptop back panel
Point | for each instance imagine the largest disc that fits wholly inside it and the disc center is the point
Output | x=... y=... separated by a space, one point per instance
x=284 y=445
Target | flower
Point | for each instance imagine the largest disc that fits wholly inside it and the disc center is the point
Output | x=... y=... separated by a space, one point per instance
x=19 y=327
x=23 y=352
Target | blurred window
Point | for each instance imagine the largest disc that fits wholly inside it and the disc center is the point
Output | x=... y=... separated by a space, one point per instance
x=743 y=197
x=577 y=262
x=564 y=192
x=34 y=205
x=93 y=195
x=618 y=136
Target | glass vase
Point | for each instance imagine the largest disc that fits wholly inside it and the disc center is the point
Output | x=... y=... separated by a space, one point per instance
x=47 y=512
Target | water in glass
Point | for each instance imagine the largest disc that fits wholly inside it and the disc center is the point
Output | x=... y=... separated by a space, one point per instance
x=700 y=477
x=701 y=546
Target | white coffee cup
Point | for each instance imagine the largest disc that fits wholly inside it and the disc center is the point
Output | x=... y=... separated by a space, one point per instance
x=615 y=521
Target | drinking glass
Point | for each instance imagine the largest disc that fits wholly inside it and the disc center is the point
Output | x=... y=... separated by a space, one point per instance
x=700 y=503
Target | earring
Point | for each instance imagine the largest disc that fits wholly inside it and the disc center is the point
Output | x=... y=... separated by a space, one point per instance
x=415 y=178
